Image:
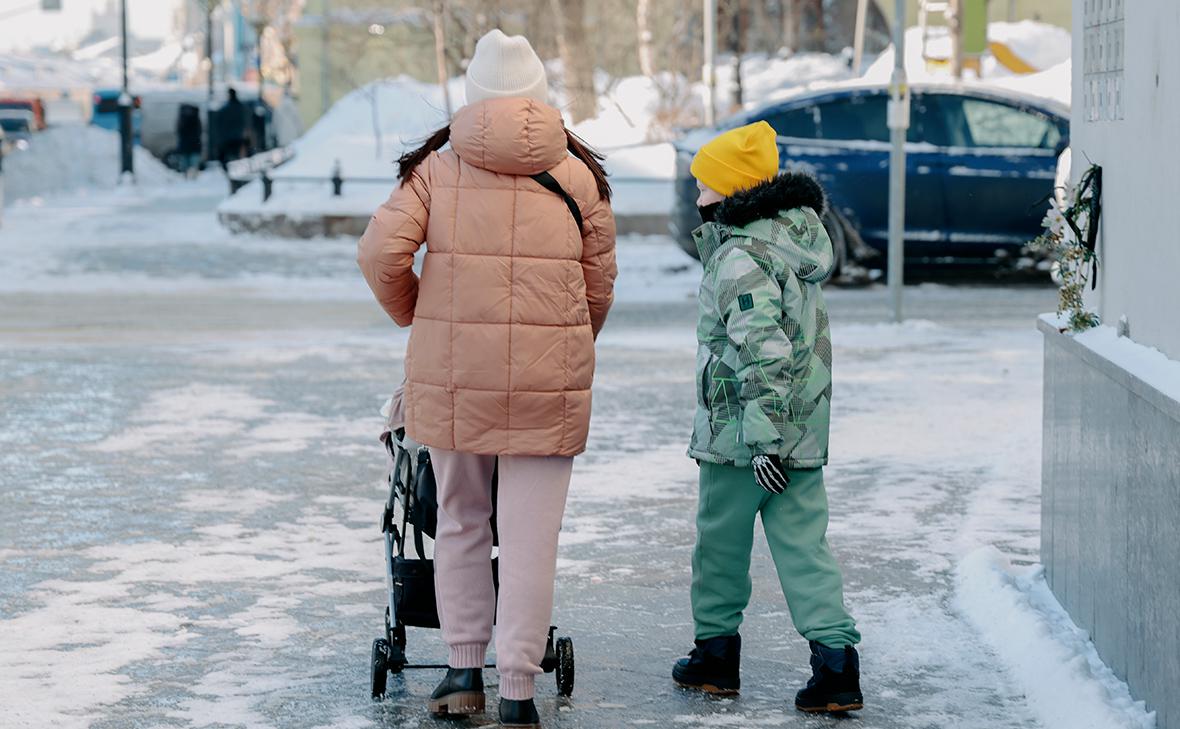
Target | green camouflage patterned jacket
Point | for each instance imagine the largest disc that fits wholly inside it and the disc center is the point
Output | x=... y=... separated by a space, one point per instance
x=764 y=360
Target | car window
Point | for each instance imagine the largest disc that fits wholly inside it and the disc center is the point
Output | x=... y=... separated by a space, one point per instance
x=797 y=122
x=860 y=117
x=925 y=123
x=983 y=123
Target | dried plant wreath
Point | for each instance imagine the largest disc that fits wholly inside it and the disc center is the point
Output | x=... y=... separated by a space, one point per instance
x=1070 y=238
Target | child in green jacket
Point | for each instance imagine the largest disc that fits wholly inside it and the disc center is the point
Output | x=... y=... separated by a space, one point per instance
x=764 y=386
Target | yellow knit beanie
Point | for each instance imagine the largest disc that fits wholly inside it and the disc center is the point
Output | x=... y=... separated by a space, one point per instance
x=738 y=159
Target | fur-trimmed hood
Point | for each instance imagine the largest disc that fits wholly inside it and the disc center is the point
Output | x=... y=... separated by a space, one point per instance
x=782 y=218
x=768 y=199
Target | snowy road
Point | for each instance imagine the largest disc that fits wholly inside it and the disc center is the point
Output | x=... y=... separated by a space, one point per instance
x=190 y=488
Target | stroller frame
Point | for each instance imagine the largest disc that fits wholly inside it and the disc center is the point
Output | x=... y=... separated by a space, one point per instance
x=389 y=652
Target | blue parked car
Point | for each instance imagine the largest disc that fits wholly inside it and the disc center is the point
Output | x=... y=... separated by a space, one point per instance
x=980 y=165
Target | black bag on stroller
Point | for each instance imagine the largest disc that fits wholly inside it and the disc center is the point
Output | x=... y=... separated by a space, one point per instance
x=411 y=514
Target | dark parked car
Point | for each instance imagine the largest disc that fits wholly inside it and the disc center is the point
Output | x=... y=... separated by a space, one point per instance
x=17 y=125
x=979 y=167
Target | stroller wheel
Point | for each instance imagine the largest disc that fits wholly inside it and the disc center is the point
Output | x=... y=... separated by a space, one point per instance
x=379 y=667
x=565 y=667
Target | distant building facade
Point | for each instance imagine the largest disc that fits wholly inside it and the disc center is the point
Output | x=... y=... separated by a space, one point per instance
x=344 y=44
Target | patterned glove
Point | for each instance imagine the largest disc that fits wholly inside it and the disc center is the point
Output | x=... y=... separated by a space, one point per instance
x=770 y=474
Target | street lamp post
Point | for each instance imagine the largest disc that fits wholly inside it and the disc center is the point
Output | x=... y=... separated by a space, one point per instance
x=209 y=6
x=125 y=104
x=708 y=71
x=899 y=123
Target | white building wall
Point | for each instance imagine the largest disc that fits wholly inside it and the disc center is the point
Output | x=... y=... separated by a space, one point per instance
x=1136 y=140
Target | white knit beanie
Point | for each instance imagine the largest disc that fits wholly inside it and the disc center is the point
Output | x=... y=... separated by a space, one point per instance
x=505 y=66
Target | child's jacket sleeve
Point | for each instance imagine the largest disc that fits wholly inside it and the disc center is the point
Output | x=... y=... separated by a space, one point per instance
x=386 y=250
x=749 y=297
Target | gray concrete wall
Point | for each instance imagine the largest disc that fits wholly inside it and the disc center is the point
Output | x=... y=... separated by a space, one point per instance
x=1110 y=510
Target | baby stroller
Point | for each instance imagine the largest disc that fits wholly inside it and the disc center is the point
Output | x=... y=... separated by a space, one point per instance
x=412 y=506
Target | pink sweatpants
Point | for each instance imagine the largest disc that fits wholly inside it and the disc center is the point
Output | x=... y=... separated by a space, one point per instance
x=531 y=501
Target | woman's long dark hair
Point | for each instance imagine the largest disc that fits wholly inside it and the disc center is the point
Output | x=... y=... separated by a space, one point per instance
x=589 y=156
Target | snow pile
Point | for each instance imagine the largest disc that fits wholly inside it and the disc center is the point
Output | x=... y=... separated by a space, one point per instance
x=370 y=127
x=1145 y=363
x=1040 y=45
x=1060 y=672
x=365 y=132
x=771 y=79
x=638 y=110
x=1043 y=46
x=69 y=157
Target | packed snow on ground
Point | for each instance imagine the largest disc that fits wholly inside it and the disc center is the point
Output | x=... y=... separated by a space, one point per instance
x=47 y=244
x=1054 y=661
x=68 y=157
x=1043 y=46
x=209 y=402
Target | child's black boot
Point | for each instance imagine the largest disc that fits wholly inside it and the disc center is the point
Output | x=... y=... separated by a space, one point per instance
x=835 y=681
x=713 y=666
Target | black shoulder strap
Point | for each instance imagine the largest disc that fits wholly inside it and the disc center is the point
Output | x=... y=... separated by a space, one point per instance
x=549 y=183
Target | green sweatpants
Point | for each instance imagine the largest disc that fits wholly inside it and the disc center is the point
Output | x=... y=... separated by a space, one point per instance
x=795 y=523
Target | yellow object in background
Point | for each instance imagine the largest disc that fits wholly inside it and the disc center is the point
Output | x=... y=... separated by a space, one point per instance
x=1007 y=58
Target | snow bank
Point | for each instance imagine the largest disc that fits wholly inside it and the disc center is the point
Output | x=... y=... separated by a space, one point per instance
x=1053 y=660
x=69 y=157
x=639 y=110
x=1043 y=46
x=1040 y=45
x=771 y=79
x=401 y=109
x=370 y=127
x=366 y=131
x=1054 y=83
x=1146 y=363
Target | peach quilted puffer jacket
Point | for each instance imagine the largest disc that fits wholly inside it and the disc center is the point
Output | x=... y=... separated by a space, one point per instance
x=512 y=294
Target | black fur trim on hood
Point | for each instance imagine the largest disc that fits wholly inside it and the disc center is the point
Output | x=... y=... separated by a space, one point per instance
x=768 y=199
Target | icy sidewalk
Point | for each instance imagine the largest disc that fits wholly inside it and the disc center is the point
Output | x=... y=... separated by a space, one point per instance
x=191 y=488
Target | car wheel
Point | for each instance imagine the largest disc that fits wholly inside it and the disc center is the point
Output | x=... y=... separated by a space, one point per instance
x=850 y=250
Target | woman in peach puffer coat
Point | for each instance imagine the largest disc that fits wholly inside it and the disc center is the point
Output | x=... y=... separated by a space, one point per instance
x=501 y=354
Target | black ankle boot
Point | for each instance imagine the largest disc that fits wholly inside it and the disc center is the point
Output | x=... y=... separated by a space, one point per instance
x=713 y=666
x=519 y=714
x=835 y=681
x=459 y=694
